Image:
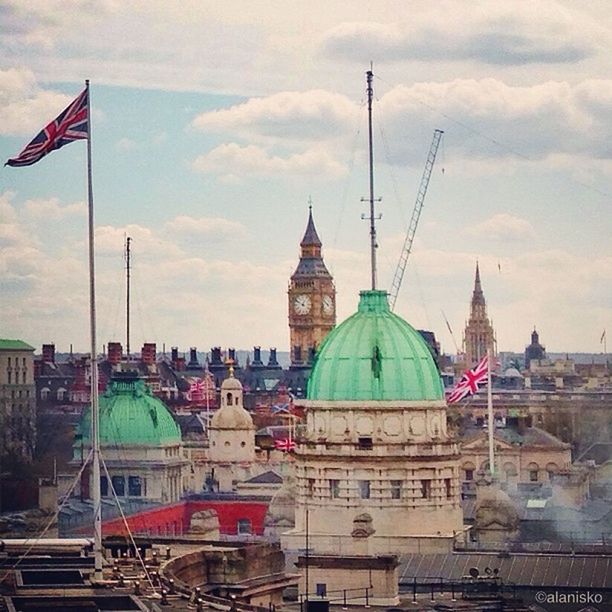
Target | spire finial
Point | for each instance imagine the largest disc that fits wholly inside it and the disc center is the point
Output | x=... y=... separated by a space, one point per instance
x=310 y=203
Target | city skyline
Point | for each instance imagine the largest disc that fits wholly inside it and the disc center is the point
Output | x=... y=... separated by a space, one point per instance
x=214 y=126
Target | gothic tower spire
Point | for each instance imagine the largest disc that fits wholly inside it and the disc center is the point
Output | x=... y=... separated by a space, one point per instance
x=479 y=335
x=312 y=299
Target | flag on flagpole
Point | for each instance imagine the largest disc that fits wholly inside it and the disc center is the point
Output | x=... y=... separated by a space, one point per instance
x=69 y=126
x=284 y=444
x=470 y=381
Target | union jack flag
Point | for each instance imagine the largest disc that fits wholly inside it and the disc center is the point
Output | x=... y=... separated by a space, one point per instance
x=284 y=444
x=470 y=381
x=196 y=390
x=70 y=125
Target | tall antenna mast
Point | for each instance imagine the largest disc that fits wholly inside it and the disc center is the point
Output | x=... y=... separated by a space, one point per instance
x=127 y=301
x=372 y=218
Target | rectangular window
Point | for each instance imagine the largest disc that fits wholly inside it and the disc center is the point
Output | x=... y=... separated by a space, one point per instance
x=364 y=443
x=119 y=485
x=533 y=475
x=334 y=488
x=103 y=486
x=134 y=486
x=469 y=474
x=364 y=489
x=426 y=489
x=244 y=526
x=396 y=489
x=311 y=487
x=449 y=489
x=9 y=377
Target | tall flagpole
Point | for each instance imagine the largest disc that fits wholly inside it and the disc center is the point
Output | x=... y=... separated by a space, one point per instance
x=490 y=415
x=95 y=432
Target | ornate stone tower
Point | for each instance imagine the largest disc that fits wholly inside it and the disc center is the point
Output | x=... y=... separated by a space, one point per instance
x=376 y=470
x=478 y=335
x=312 y=299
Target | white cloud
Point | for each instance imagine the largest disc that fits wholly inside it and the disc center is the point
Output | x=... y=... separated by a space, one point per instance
x=504 y=227
x=299 y=115
x=495 y=33
x=25 y=108
x=252 y=161
x=52 y=210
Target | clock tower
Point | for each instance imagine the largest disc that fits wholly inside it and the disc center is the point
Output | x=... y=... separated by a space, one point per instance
x=312 y=299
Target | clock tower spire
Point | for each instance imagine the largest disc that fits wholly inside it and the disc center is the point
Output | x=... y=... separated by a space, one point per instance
x=312 y=299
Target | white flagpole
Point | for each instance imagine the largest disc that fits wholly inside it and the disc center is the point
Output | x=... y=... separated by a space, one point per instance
x=95 y=432
x=490 y=415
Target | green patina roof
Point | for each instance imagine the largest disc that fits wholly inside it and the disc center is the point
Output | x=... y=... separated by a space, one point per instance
x=374 y=355
x=130 y=415
x=14 y=345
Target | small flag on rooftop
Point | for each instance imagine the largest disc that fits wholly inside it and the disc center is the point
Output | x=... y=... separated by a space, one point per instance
x=470 y=382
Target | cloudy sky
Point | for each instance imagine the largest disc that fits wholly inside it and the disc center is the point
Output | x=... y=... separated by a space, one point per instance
x=215 y=122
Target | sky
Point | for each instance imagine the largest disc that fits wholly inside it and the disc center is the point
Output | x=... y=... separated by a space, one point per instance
x=215 y=123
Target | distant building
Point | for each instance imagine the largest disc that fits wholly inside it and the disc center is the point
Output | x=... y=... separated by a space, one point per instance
x=17 y=399
x=140 y=443
x=523 y=454
x=312 y=300
x=376 y=469
x=535 y=350
x=478 y=335
x=231 y=438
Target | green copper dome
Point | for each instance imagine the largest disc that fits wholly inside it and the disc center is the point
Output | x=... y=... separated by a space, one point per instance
x=130 y=415
x=374 y=355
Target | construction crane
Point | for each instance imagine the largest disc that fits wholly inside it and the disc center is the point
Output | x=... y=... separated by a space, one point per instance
x=414 y=221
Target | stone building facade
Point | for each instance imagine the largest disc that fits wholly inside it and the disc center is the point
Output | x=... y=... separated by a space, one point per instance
x=376 y=469
x=17 y=399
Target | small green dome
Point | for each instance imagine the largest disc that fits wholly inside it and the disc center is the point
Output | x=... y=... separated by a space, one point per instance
x=130 y=415
x=374 y=355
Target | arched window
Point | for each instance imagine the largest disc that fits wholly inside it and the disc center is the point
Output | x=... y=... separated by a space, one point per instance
x=534 y=471
x=61 y=394
x=229 y=399
x=551 y=468
x=44 y=393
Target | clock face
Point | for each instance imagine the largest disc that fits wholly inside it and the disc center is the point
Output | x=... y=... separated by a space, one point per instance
x=302 y=304
x=328 y=304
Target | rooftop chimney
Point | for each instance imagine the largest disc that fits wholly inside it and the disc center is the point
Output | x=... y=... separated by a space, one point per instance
x=115 y=353
x=193 y=358
x=148 y=353
x=272 y=361
x=48 y=353
x=257 y=356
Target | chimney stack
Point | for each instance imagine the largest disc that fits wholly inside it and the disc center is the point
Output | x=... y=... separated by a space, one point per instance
x=272 y=361
x=193 y=358
x=115 y=353
x=148 y=353
x=48 y=353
